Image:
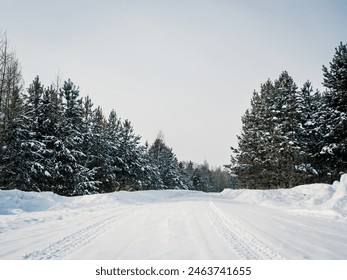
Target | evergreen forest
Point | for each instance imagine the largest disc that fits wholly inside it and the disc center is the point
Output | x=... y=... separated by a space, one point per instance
x=53 y=139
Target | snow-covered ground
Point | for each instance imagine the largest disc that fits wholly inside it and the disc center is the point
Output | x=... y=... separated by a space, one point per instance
x=306 y=222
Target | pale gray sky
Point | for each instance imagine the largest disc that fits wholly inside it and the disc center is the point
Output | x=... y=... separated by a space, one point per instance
x=187 y=68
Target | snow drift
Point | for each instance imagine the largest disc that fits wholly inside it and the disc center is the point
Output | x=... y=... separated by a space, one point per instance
x=15 y=201
x=316 y=199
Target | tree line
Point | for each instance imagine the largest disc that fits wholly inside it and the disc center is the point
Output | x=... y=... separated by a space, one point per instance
x=53 y=139
x=293 y=136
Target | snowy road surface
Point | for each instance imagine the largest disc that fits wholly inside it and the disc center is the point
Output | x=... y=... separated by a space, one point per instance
x=162 y=225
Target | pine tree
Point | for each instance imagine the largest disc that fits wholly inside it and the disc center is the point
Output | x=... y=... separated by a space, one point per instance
x=147 y=173
x=93 y=147
x=199 y=181
x=128 y=144
x=253 y=160
x=186 y=171
x=167 y=164
x=269 y=149
x=286 y=126
x=112 y=163
x=34 y=163
x=334 y=152
x=14 y=167
x=73 y=177
x=310 y=108
x=136 y=170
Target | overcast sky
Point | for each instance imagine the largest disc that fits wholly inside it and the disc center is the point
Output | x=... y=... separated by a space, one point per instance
x=187 y=68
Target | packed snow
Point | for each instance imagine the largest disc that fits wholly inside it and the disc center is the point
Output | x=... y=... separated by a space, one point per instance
x=305 y=222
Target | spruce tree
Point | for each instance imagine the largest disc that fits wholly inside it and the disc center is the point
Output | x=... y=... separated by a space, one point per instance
x=35 y=162
x=285 y=143
x=73 y=177
x=253 y=160
x=167 y=164
x=268 y=155
x=110 y=170
x=334 y=152
x=16 y=155
x=310 y=108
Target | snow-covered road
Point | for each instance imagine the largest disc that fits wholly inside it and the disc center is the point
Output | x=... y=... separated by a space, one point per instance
x=163 y=225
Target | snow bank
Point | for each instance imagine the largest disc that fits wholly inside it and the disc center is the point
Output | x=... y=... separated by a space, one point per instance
x=317 y=199
x=15 y=201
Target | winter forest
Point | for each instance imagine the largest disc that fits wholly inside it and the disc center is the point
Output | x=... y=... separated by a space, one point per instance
x=52 y=138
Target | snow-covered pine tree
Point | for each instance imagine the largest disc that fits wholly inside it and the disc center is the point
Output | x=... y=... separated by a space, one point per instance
x=30 y=168
x=189 y=168
x=334 y=151
x=127 y=152
x=95 y=142
x=36 y=163
x=135 y=170
x=112 y=162
x=186 y=171
x=50 y=131
x=285 y=143
x=199 y=181
x=73 y=177
x=252 y=160
x=167 y=164
x=13 y=168
x=268 y=155
x=147 y=173
x=310 y=108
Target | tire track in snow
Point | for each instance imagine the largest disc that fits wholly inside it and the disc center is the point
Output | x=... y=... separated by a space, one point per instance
x=244 y=244
x=78 y=239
